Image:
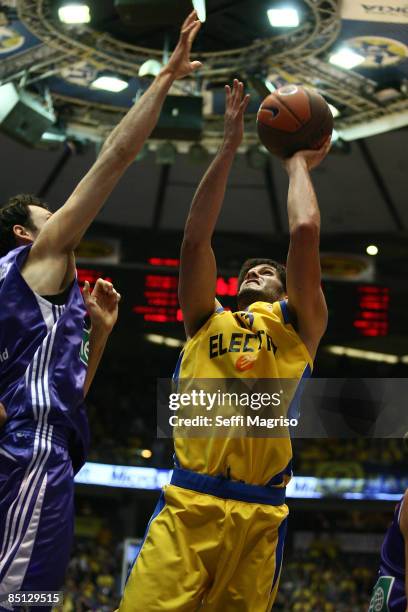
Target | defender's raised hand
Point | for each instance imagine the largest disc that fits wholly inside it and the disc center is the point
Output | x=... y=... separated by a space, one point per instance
x=179 y=64
x=235 y=107
x=102 y=305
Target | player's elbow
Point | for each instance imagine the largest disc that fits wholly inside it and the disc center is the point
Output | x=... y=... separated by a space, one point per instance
x=193 y=244
x=306 y=232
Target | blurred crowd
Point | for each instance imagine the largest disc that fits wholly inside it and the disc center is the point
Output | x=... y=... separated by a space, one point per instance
x=321 y=579
x=325 y=580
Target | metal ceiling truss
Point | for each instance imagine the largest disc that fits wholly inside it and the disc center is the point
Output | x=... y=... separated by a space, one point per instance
x=295 y=56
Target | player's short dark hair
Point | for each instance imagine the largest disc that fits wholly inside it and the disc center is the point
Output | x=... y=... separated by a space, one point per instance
x=16 y=212
x=251 y=263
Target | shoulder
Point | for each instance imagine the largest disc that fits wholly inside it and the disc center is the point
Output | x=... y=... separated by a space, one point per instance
x=19 y=254
x=403 y=516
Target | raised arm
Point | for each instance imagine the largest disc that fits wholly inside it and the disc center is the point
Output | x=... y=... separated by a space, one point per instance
x=102 y=305
x=305 y=296
x=63 y=231
x=197 y=261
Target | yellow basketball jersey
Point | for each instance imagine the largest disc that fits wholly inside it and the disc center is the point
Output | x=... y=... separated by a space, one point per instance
x=259 y=342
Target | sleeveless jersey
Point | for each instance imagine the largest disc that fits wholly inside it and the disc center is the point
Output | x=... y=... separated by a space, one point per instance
x=260 y=343
x=43 y=360
x=393 y=549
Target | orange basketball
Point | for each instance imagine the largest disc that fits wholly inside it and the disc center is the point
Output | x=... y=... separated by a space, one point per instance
x=293 y=119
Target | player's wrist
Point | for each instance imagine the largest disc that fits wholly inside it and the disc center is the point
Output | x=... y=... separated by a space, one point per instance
x=101 y=330
x=294 y=163
x=229 y=146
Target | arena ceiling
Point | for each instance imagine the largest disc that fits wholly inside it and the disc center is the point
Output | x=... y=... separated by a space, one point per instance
x=362 y=186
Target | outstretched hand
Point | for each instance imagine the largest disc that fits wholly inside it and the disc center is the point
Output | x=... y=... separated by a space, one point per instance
x=179 y=64
x=102 y=305
x=312 y=157
x=235 y=107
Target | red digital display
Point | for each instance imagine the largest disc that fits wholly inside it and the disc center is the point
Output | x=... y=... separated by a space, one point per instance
x=373 y=315
x=160 y=303
x=85 y=274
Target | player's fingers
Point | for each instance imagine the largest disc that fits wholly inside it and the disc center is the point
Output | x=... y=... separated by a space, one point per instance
x=227 y=95
x=86 y=290
x=193 y=32
x=195 y=65
x=189 y=19
x=186 y=32
x=244 y=104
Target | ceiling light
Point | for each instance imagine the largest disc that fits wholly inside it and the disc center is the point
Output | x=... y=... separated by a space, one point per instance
x=362 y=354
x=52 y=136
x=334 y=111
x=346 y=58
x=335 y=136
x=284 y=17
x=372 y=249
x=74 y=12
x=166 y=340
x=109 y=83
x=150 y=67
x=199 y=6
x=146 y=453
x=393 y=121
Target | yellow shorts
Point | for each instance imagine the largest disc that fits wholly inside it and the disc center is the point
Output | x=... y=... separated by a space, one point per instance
x=211 y=544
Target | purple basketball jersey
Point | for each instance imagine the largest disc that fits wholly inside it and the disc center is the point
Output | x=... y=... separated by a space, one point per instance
x=42 y=350
x=389 y=593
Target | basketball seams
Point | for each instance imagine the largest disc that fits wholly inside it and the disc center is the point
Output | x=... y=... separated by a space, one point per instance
x=292 y=112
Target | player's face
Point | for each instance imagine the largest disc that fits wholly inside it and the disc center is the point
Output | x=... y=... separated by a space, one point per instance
x=261 y=283
x=39 y=217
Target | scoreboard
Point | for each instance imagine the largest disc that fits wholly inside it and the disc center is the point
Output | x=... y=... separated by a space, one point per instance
x=150 y=302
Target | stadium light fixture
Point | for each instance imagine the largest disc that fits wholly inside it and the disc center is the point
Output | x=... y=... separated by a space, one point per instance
x=334 y=111
x=199 y=6
x=372 y=249
x=335 y=136
x=150 y=67
x=355 y=353
x=109 y=83
x=74 y=13
x=284 y=17
x=166 y=340
x=346 y=58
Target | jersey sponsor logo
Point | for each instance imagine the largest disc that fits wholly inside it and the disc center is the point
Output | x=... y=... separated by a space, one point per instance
x=84 y=352
x=240 y=342
x=4 y=355
x=381 y=594
x=246 y=362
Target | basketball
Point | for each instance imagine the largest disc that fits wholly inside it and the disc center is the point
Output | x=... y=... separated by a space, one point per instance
x=293 y=119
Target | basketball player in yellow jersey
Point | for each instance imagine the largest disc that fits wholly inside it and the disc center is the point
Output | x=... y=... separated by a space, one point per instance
x=215 y=541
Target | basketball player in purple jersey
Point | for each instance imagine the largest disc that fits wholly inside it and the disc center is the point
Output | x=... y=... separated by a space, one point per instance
x=44 y=350
x=390 y=594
